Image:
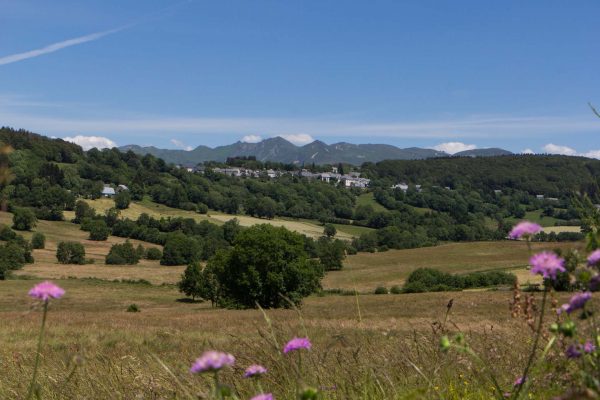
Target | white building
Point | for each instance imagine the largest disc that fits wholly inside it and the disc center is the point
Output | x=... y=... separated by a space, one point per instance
x=107 y=191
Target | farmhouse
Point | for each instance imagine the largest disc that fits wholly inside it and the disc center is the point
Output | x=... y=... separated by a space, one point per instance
x=108 y=191
x=351 y=181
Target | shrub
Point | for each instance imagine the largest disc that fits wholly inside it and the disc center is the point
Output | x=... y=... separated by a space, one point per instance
x=70 y=253
x=98 y=230
x=133 y=308
x=24 y=219
x=202 y=208
x=152 y=253
x=122 y=199
x=6 y=233
x=38 y=241
x=12 y=257
x=432 y=280
x=396 y=289
x=329 y=230
x=381 y=290
x=121 y=254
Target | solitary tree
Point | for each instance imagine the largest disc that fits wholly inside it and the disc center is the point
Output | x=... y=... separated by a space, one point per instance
x=267 y=266
x=191 y=281
x=329 y=230
x=331 y=253
x=70 y=253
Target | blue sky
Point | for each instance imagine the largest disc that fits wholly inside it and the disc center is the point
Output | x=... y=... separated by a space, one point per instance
x=178 y=74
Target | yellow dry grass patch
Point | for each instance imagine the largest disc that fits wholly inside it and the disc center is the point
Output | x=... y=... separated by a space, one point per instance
x=46 y=266
x=366 y=271
x=559 y=229
x=159 y=210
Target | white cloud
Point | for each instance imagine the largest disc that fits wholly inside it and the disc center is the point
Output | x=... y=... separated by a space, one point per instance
x=552 y=148
x=454 y=147
x=251 y=139
x=527 y=151
x=298 y=139
x=181 y=145
x=592 y=154
x=89 y=142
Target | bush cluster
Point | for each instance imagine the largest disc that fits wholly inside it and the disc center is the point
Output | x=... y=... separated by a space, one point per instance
x=432 y=280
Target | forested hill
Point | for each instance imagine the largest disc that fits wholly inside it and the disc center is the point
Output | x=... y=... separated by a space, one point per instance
x=549 y=175
x=48 y=176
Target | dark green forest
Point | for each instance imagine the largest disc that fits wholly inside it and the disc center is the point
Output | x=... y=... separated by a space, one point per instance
x=448 y=199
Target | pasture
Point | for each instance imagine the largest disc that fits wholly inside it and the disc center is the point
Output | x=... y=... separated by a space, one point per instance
x=364 y=347
x=370 y=347
x=310 y=228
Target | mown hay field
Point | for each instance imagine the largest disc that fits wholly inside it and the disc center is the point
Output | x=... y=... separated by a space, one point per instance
x=306 y=227
x=366 y=271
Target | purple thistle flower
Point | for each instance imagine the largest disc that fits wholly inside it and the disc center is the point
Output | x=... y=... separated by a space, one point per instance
x=524 y=228
x=588 y=347
x=546 y=264
x=577 y=302
x=46 y=290
x=519 y=381
x=594 y=258
x=254 y=370
x=297 y=344
x=212 y=361
x=263 y=396
x=572 y=352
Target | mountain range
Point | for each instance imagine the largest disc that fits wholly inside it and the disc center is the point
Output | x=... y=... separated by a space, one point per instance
x=280 y=150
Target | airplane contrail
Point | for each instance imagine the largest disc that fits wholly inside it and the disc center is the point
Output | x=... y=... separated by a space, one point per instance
x=88 y=38
x=58 y=46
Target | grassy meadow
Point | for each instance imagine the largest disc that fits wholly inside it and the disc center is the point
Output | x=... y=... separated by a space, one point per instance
x=367 y=347
x=306 y=227
x=364 y=347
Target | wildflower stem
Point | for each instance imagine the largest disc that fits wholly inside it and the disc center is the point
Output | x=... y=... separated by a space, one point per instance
x=536 y=340
x=470 y=352
x=38 y=353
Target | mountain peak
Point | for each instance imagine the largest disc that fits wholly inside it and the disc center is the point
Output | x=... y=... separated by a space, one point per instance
x=279 y=149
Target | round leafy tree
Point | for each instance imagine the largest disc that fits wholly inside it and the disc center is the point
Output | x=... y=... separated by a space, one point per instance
x=121 y=254
x=266 y=266
x=24 y=219
x=70 y=253
x=98 y=230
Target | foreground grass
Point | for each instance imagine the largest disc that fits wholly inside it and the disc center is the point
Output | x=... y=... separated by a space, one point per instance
x=375 y=347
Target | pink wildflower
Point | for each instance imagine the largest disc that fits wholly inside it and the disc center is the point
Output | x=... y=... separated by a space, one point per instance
x=254 y=370
x=212 y=361
x=519 y=381
x=46 y=290
x=594 y=258
x=263 y=396
x=524 y=228
x=588 y=347
x=297 y=344
x=546 y=264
